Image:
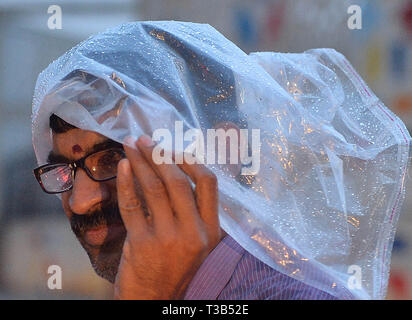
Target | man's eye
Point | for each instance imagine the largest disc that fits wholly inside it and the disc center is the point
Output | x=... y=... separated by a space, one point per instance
x=110 y=158
x=107 y=159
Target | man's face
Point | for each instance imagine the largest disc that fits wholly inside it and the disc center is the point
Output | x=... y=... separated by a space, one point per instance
x=91 y=206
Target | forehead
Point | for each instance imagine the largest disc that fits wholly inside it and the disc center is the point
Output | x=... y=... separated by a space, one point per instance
x=75 y=143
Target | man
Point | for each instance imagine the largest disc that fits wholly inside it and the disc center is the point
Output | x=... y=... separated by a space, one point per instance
x=167 y=230
x=147 y=231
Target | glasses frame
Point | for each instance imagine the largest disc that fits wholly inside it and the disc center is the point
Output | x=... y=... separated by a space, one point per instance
x=80 y=163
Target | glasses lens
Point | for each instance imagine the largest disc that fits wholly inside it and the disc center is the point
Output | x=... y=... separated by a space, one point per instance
x=103 y=165
x=56 y=178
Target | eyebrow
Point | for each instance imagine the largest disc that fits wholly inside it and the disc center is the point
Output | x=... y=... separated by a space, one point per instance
x=54 y=158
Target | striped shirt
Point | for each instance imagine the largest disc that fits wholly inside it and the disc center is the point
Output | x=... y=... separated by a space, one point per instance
x=232 y=273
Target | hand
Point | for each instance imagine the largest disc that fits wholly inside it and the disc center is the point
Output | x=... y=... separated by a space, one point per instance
x=163 y=250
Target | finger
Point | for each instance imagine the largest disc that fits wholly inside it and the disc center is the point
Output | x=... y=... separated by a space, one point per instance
x=130 y=206
x=153 y=189
x=206 y=191
x=177 y=184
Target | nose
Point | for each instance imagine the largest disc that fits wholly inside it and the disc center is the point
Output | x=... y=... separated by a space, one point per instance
x=86 y=194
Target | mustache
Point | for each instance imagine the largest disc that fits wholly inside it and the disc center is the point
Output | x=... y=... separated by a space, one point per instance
x=107 y=215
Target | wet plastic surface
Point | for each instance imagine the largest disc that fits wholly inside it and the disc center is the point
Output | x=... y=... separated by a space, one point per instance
x=333 y=159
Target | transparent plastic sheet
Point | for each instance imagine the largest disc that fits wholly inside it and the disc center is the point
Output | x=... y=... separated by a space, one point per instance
x=333 y=158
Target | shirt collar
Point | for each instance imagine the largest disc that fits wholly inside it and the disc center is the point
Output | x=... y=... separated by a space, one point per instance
x=215 y=271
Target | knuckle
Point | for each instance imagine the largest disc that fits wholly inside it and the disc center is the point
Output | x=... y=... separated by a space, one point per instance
x=130 y=205
x=197 y=244
x=209 y=178
x=127 y=250
x=168 y=239
x=154 y=188
x=181 y=182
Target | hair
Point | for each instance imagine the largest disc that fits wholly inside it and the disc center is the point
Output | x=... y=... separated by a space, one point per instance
x=58 y=125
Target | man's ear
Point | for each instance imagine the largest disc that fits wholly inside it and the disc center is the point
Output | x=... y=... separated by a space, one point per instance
x=233 y=169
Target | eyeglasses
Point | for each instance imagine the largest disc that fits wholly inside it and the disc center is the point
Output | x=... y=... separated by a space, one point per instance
x=99 y=166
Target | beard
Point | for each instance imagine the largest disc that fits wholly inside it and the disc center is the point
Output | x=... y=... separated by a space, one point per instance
x=105 y=258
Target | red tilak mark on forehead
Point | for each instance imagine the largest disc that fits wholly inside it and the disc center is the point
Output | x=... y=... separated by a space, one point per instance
x=77 y=149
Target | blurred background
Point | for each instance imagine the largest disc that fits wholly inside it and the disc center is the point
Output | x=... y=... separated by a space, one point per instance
x=34 y=233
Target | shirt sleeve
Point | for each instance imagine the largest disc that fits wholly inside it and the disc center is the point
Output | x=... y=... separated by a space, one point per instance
x=254 y=280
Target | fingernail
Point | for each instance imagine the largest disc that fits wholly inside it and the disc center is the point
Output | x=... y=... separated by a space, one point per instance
x=129 y=140
x=146 y=141
x=124 y=166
